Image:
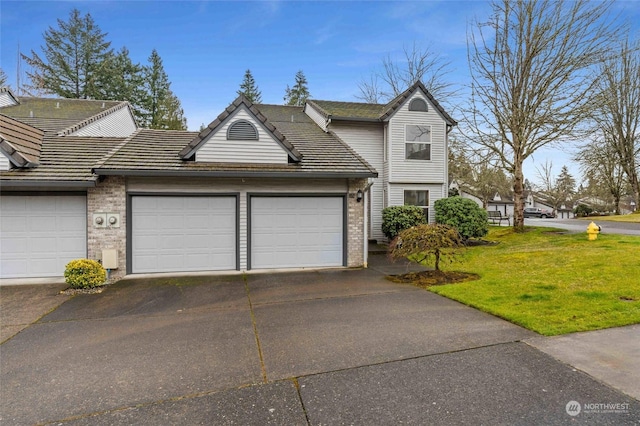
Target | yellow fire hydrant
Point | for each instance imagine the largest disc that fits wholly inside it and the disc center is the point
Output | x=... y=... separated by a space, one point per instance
x=593 y=230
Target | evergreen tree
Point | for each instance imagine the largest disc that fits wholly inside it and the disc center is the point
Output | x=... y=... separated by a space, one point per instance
x=566 y=184
x=249 y=89
x=72 y=65
x=124 y=81
x=299 y=94
x=171 y=114
x=162 y=109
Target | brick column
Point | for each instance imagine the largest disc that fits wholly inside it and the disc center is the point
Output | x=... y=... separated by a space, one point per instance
x=109 y=196
x=355 y=224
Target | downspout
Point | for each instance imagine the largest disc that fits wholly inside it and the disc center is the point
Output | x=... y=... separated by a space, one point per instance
x=366 y=229
x=367 y=191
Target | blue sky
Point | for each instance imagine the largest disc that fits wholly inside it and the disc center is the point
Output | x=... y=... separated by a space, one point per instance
x=207 y=46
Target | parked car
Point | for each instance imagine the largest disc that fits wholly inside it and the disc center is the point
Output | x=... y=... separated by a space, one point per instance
x=538 y=212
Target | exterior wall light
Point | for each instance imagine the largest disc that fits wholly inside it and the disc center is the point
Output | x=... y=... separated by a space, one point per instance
x=359 y=195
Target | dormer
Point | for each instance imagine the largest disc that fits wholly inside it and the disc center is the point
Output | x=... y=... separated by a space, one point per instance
x=241 y=134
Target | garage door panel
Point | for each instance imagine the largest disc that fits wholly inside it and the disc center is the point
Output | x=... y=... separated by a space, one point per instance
x=41 y=234
x=183 y=233
x=296 y=232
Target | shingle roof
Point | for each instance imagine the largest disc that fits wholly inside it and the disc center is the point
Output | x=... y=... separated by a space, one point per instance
x=68 y=159
x=21 y=142
x=348 y=110
x=54 y=115
x=240 y=101
x=337 y=110
x=149 y=152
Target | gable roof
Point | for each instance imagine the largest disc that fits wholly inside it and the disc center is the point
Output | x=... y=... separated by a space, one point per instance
x=9 y=96
x=55 y=115
x=358 y=111
x=93 y=118
x=201 y=138
x=20 y=142
x=160 y=152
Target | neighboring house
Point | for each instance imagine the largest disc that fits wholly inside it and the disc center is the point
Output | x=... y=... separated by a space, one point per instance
x=502 y=204
x=261 y=187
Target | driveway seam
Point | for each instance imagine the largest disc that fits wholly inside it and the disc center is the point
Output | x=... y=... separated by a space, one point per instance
x=346 y=296
x=255 y=331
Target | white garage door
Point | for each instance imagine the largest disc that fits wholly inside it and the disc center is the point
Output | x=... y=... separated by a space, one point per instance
x=41 y=234
x=291 y=232
x=185 y=233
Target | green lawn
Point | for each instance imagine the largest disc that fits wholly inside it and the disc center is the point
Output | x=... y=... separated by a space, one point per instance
x=632 y=218
x=553 y=283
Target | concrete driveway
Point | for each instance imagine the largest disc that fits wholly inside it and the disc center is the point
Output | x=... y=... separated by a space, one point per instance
x=331 y=347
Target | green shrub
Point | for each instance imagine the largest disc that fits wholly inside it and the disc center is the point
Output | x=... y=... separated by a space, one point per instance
x=582 y=210
x=84 y=273
x=463 y=214
x=423 y=243
x=399 y=218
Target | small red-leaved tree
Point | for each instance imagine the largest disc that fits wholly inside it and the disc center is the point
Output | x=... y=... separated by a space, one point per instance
x=424 y=243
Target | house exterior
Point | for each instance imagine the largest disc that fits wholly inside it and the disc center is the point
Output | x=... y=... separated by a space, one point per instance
x=406 y=141
x=262 y=187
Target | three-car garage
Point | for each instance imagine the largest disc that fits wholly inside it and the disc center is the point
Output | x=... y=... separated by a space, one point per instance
x=179 y=232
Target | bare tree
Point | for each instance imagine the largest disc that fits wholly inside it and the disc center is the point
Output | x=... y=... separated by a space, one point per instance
x=532 y=77
x=599 y=163
x=618 y=111
x=397 y=76
x=556 y=190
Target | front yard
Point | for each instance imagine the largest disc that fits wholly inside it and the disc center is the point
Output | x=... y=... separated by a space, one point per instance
x=553 y=283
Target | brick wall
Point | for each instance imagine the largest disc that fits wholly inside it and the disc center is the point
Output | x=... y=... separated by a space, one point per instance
x=355 y=224
x=109 y=196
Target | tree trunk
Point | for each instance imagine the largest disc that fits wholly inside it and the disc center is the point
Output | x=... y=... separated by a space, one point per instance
x=518 y=197
x=437 y=260
x=635 y=188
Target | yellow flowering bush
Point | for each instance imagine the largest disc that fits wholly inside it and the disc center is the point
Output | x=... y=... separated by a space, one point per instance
x=84 y=273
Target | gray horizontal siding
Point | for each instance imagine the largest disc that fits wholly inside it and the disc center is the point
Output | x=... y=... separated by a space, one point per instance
x=117 y=124
x=367 y=139
x=316 y=116
x=6 y=100
x=266 y=150
x=403 y=170
x=5 y=164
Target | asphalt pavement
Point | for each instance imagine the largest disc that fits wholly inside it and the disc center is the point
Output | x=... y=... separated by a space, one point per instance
x=579 y=225
x=317 y=347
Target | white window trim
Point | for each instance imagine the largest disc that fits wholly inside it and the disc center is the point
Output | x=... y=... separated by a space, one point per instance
x=430 y=143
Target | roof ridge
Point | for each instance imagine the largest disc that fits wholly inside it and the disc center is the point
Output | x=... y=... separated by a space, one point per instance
x=353 y=152
x=348 y=102
x=94 y=118
x=114 y=150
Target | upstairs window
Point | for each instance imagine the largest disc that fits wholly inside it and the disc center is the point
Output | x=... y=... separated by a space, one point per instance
x=418 y=105
x=242 y=130
x=417 y=142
